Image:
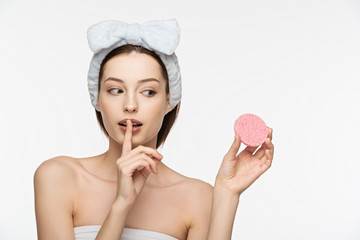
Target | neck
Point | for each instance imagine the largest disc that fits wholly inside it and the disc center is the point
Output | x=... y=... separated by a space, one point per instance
x=115 y=149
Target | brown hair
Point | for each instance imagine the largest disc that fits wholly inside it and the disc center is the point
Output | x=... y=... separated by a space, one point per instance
x=169 y=118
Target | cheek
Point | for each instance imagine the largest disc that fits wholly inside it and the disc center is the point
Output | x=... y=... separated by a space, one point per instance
x=108 y=111
x=159 y=107
x=109 y=104
x=157 y=112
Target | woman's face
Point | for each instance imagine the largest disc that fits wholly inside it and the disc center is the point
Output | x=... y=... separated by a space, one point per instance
x=133 y=87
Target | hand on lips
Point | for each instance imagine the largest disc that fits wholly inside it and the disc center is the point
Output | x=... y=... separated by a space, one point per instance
x=134 y=167
x=135 y=124
x=129 y=129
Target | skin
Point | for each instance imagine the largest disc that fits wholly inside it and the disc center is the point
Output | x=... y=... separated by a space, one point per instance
x=129 y=185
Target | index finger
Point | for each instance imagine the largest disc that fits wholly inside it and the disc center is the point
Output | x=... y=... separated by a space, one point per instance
x=127 y=139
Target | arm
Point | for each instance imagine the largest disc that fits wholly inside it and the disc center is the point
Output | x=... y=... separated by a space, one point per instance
x=53 y=202
x=114 y=223
x=223 y=213
x=199 y=209
x=236 y=174
x=134 y=167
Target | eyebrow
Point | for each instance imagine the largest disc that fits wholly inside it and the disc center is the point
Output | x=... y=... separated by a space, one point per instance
x=140 y=81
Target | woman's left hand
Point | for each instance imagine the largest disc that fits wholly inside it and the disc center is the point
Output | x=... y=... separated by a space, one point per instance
x=238 y=172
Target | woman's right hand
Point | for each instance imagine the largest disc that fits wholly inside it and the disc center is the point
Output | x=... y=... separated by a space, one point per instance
x=134 y=167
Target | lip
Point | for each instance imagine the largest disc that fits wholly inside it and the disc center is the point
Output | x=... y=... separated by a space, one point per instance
x=133 y=120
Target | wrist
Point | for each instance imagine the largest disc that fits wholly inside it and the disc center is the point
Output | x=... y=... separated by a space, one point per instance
x=121 y=206
x=226 y=191
x=225 y=199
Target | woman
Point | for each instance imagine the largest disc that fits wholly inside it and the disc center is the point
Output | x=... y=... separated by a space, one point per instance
x=128 y=192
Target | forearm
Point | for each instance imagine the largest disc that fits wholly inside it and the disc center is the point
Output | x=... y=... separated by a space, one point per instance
x=114 y=223
x=223 y=212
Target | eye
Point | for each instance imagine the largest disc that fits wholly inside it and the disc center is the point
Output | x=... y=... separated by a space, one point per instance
x=116 y=92
x=151 y=92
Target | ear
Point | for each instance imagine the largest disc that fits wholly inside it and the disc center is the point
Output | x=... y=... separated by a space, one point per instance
x=168 y=107
x=97 y=106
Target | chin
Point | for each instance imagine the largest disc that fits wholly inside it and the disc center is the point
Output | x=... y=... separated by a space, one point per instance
x=147 y=142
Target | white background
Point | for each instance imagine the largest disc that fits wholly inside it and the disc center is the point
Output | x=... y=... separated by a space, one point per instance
x=294 y=63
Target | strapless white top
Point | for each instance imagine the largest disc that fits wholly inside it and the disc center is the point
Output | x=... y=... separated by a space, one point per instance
x=89 y=232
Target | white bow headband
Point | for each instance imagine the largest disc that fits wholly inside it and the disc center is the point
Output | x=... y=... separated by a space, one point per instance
x=160 y=36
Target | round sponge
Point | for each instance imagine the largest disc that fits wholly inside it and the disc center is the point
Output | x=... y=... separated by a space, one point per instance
x=251 y=129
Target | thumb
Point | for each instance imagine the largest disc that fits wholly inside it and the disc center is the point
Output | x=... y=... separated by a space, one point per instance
x=234 y=148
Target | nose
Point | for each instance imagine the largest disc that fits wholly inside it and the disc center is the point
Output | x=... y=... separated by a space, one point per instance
x=130 y=104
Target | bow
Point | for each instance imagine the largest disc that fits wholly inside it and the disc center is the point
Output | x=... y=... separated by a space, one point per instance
x=160 y=35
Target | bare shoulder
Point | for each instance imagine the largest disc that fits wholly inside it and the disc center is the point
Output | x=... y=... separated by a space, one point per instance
x=195 y=193
x=56 y=174
x=192 y=189
x=54 y=189
x=199 y=195
x=60 y=167
x=197 y=199
x=198 y=187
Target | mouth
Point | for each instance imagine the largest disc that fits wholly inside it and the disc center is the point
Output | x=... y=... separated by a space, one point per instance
x=133 y=124
x=136 y=125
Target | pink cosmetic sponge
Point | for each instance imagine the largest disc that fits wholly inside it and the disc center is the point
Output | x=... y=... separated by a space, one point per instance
x=251 y=129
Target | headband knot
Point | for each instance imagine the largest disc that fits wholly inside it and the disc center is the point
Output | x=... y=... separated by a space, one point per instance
x=133 y=34
x=159 y=35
